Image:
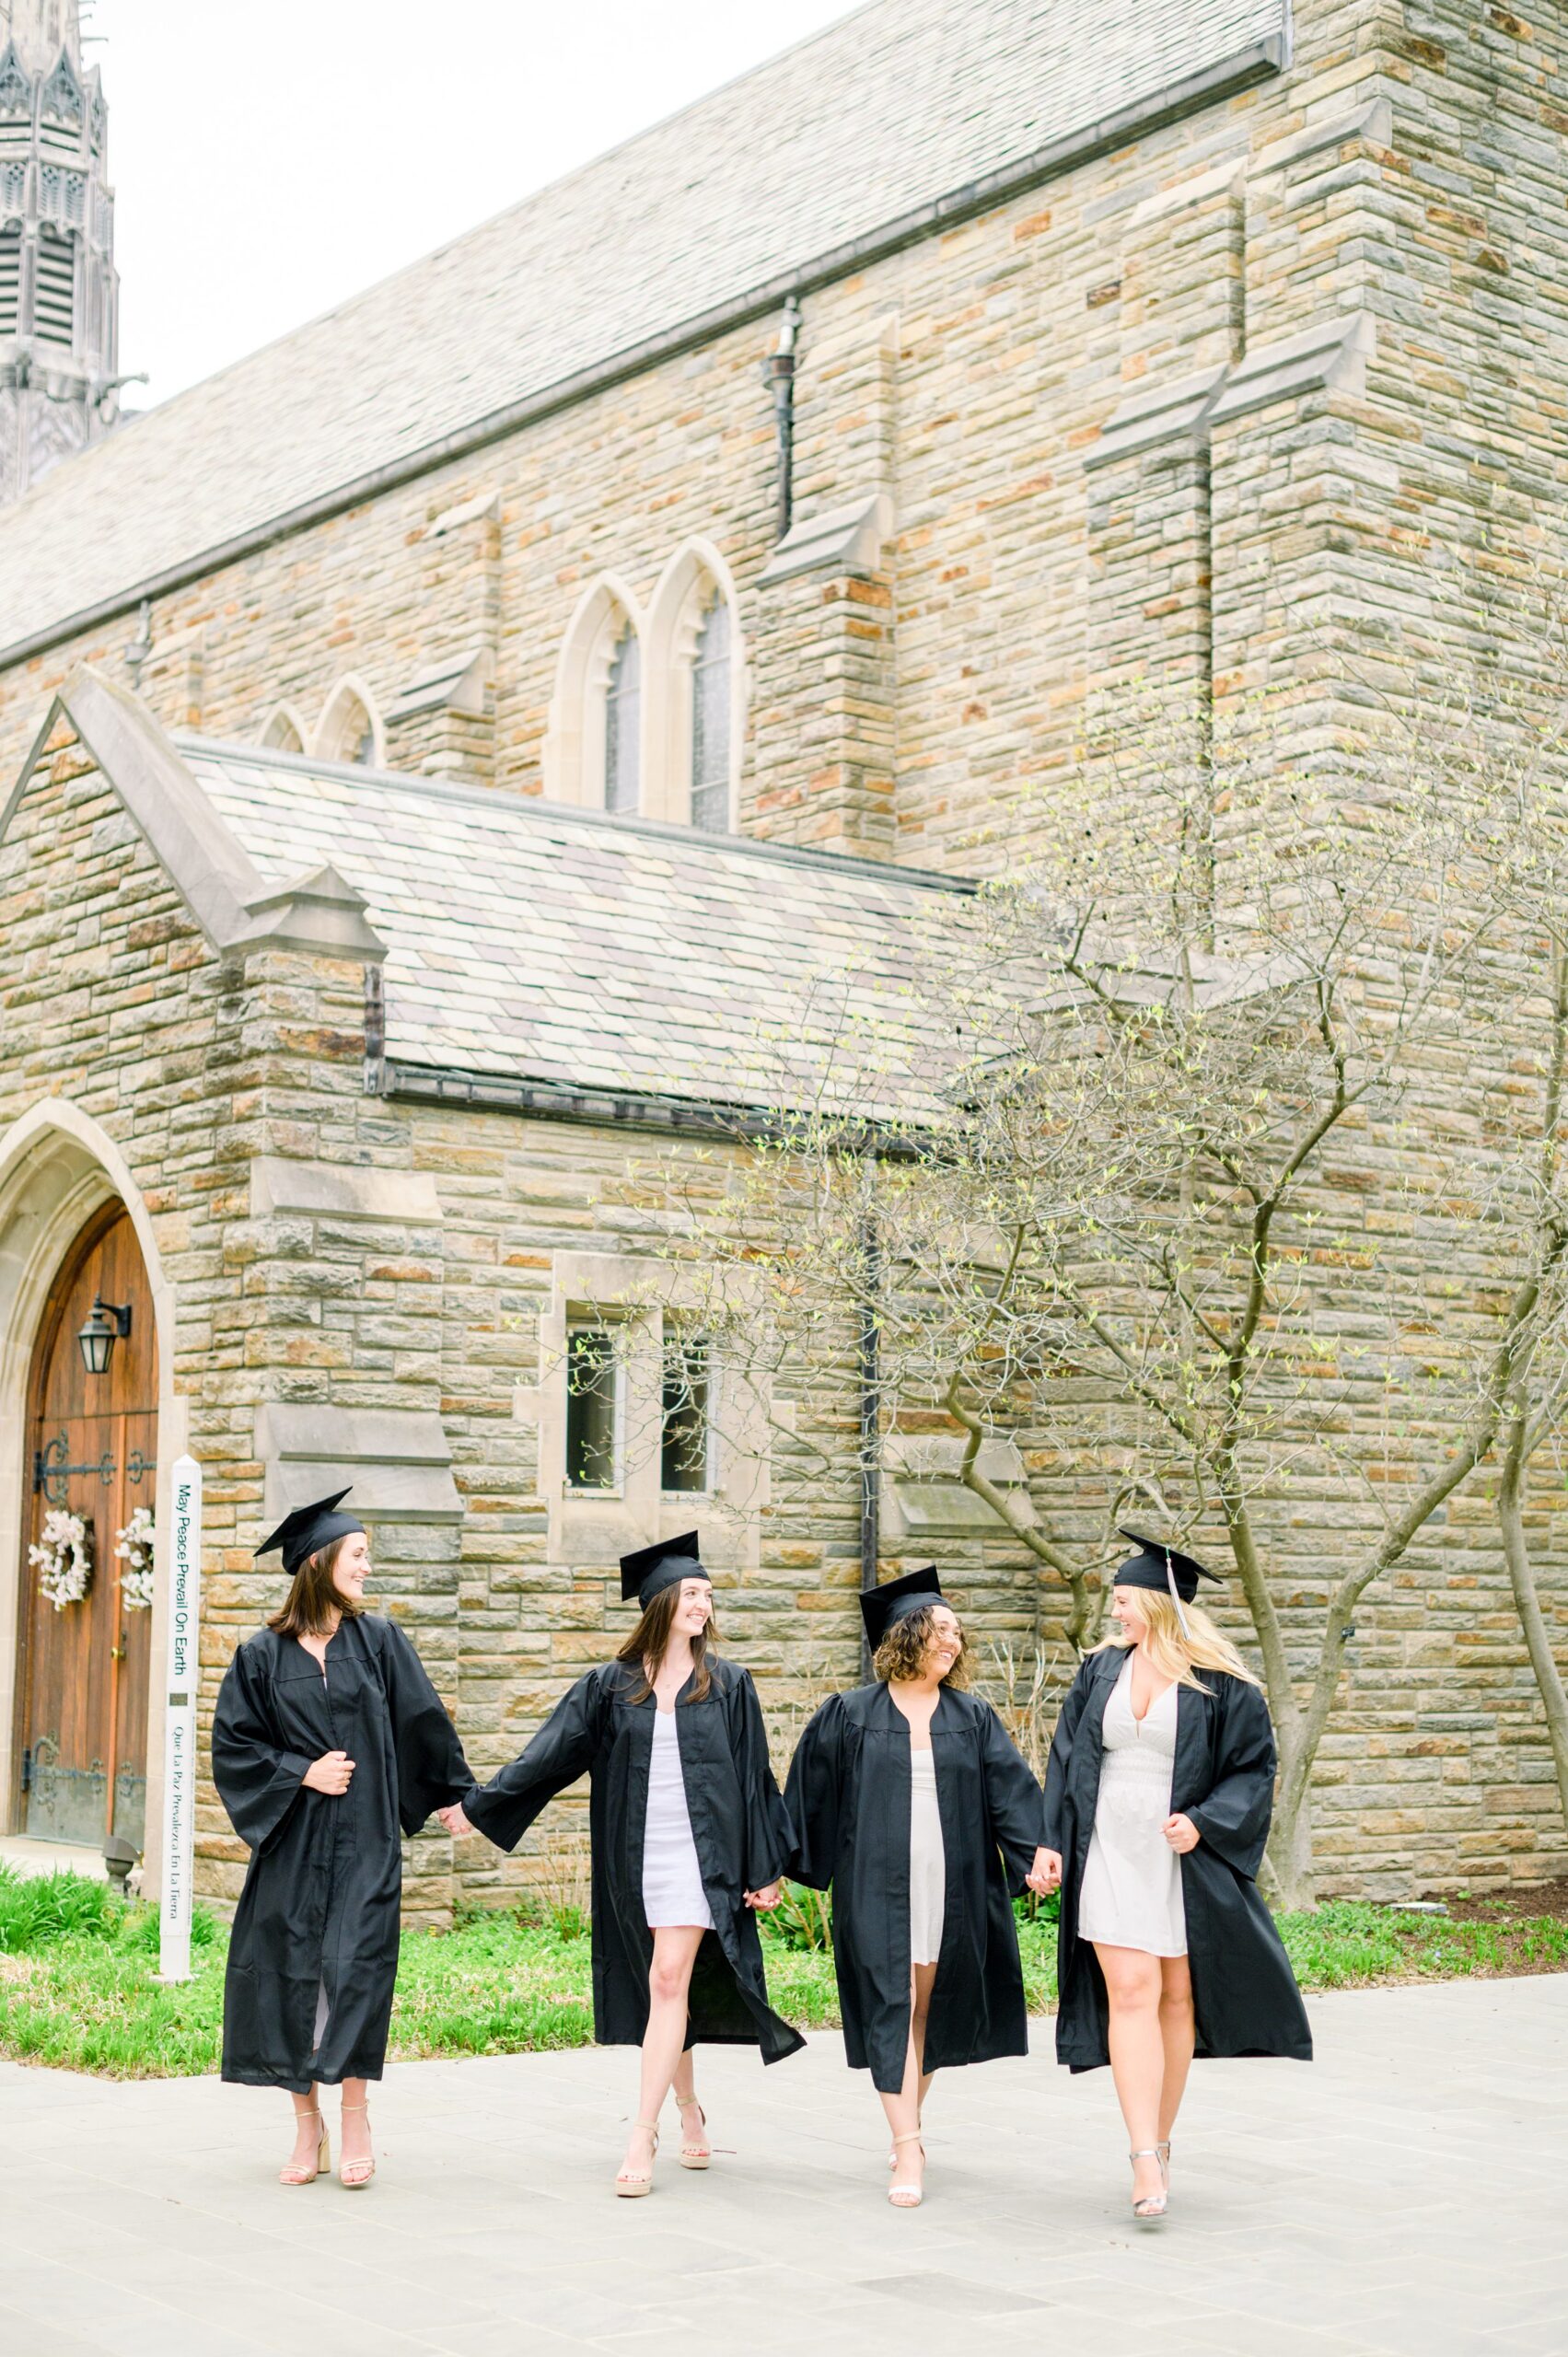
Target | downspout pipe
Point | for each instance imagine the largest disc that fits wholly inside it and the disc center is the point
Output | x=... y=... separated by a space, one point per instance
x=778 y=375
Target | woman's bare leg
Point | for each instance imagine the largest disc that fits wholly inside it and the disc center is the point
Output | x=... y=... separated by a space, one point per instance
x=693 y=2126
x=353 y=2124
x=663 y=2040
x=1137 y=2054
x=903 y=2108
x=307 y=2129
x=924 y=1981
x=1178 y=2036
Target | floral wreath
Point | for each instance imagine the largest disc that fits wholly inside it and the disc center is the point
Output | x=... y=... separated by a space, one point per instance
x=134 y=1546
x=62 y=1559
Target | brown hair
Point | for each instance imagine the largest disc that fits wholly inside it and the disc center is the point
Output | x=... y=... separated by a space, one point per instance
x=308 y=1607
x=649 y=1642
x=901 y=1654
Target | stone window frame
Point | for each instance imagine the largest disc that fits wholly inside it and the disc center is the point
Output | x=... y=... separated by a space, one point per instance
x=594 y=1526
x=329 y=739
x=284 y=730
x=575 y=737
x=692 y=579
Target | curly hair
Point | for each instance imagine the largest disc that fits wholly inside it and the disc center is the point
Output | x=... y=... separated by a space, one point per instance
x=901 y=1654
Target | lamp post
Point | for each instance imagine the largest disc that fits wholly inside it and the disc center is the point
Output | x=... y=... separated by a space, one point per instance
x=105 y=1325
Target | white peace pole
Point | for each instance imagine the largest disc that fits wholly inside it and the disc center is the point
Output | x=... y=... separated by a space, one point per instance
x=179 y=1739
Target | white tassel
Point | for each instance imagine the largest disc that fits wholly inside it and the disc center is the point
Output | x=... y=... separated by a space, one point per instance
x=1170 y=1580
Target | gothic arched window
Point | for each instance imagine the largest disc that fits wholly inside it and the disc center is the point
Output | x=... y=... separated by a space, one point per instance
x=283 y=731
x=694 y=662
x=348 y=729
x=16 y=92
x=623 y=720
x=710 y=720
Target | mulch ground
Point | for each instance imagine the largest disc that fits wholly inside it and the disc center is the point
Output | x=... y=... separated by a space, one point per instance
x=1521 y=1902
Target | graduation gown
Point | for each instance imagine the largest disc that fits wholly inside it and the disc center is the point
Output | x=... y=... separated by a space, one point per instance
x=1244 y=1992
x=319 y=1909
x=741 y=1834
x=849 y=1798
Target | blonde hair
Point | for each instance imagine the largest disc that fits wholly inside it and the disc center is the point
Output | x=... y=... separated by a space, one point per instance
x=1205 y=1645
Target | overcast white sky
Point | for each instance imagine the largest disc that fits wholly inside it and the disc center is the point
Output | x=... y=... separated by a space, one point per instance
x=271 y=157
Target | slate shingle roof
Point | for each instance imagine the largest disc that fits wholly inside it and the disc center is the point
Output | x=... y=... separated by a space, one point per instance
x=536 y=943
x=904 y=103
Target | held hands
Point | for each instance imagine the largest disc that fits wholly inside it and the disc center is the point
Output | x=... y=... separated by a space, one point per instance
x=1182 y=1833
x=330 y=1773
x=453 y=1820
x=769 y=1896
x=1045 y=1874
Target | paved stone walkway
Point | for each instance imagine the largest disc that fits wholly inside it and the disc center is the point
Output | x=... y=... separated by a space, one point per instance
x=1406 y=2194
x=28 y=1857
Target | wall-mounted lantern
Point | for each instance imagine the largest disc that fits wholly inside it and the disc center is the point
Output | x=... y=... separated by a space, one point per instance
x=105 y=1327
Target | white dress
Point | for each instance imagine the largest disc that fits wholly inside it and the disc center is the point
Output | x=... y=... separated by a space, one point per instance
x=672 y=1880
x=928 y=1860
x=1132 y=1891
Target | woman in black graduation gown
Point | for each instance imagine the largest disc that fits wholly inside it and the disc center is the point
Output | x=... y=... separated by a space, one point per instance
x=1157 y=1798
x=688 y=1834
x=329 y=1739
x=909 y=1798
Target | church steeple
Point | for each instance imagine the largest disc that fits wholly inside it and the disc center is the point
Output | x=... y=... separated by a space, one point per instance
x=59 y=293
x=41 y=29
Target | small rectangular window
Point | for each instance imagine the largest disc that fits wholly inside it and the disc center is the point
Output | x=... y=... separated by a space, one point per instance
x=593 y=1409
x=686 y=1442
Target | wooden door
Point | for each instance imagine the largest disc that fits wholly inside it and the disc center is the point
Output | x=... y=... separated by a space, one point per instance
x=92 y=1451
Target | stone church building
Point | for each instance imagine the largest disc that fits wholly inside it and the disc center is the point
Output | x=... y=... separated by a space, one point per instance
x=435 y=748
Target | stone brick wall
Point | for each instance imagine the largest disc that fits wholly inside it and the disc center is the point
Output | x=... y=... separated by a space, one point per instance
x=914 y=707
x=1100 y=487
x=197 y=1068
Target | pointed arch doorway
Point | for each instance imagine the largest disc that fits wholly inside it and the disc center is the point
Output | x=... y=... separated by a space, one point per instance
x=91 y=1453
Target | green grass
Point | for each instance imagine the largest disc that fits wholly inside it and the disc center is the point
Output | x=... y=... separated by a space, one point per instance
x=77 y=1991
x=1346 y=1945
x=76 y=1987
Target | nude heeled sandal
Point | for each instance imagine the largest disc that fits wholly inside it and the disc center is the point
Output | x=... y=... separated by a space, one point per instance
x=632 y=2183
x=1148 y=2208
x=366 y=2168
x=908 y=2197
x=293 y=2175
x=695 y=2156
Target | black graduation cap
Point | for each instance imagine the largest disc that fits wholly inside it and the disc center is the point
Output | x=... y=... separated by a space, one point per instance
x=309 y=1528
x=1158 y=1566
x=664 y=1564
x=895 y=1599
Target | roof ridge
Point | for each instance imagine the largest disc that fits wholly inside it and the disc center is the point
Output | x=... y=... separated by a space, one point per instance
x=798 y=177
x=538 y=806
x=347 y=303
